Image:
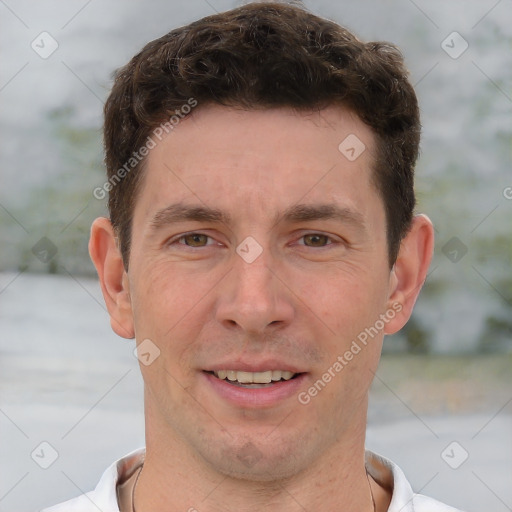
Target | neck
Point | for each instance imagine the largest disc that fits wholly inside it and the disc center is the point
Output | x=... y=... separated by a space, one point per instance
x=175 y=479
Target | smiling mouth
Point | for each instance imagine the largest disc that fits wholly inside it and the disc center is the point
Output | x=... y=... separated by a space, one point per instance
x=254 y=380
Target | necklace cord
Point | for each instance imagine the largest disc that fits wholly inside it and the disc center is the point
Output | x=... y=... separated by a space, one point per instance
x=134 y=486
x=371 y=492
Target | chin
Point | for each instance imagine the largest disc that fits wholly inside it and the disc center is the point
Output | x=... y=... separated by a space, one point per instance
x=270 y=464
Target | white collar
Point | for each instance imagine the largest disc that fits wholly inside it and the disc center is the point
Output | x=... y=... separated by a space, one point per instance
x=382 y=470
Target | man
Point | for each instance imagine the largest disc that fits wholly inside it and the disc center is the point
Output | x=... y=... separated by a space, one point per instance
x=261 y=243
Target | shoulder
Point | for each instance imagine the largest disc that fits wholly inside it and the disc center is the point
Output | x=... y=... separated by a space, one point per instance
x=104 y=496
x=83 y=503
x=403 y=499
x=426 y=504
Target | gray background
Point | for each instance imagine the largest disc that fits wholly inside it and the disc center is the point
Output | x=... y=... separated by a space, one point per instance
x=67 y=380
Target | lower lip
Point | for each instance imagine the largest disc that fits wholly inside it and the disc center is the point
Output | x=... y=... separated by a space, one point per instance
x=255 y=397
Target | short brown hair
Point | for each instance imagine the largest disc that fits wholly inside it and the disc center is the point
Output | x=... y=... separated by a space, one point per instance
x=266 y=55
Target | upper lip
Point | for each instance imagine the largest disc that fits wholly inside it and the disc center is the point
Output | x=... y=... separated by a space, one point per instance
x=255 y=366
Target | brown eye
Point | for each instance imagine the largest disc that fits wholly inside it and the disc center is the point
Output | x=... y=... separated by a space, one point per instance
x=316 y=240
x=195 y=240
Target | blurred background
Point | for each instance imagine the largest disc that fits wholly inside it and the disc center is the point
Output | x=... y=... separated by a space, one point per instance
x=441 y=401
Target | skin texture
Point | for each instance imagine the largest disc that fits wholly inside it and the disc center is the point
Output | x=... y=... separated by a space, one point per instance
x=302 y=301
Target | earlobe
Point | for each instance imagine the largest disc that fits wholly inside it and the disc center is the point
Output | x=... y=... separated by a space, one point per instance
x=114 y=283
x=410 y=271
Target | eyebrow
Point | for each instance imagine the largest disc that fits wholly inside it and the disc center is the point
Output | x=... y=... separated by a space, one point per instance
x=312 y=212
x=181 y=213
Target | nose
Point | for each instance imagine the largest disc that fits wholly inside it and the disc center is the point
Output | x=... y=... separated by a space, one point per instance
x=254 y=297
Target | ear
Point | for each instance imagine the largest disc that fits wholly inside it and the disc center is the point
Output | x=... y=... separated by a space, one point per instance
x=114 y=283
x=410 y=271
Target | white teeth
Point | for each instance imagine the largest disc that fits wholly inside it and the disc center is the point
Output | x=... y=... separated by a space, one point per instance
x=286 y=375
x=254 y=377
x=262 y=377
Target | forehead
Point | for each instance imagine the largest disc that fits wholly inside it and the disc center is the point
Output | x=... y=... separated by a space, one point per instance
x=261 y=161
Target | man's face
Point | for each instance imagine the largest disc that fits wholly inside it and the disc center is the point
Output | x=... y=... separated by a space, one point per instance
x=259 y=246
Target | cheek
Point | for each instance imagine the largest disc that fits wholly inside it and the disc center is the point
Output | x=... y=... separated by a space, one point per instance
x=166 y=306
x=344 y=302
x=346 y=306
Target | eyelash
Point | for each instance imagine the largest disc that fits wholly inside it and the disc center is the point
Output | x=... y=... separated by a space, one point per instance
x=176 y=240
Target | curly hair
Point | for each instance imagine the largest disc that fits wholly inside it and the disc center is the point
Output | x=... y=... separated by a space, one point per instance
x=265 y=55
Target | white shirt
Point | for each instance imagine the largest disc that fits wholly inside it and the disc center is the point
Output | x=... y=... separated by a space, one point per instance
x=104 y=496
